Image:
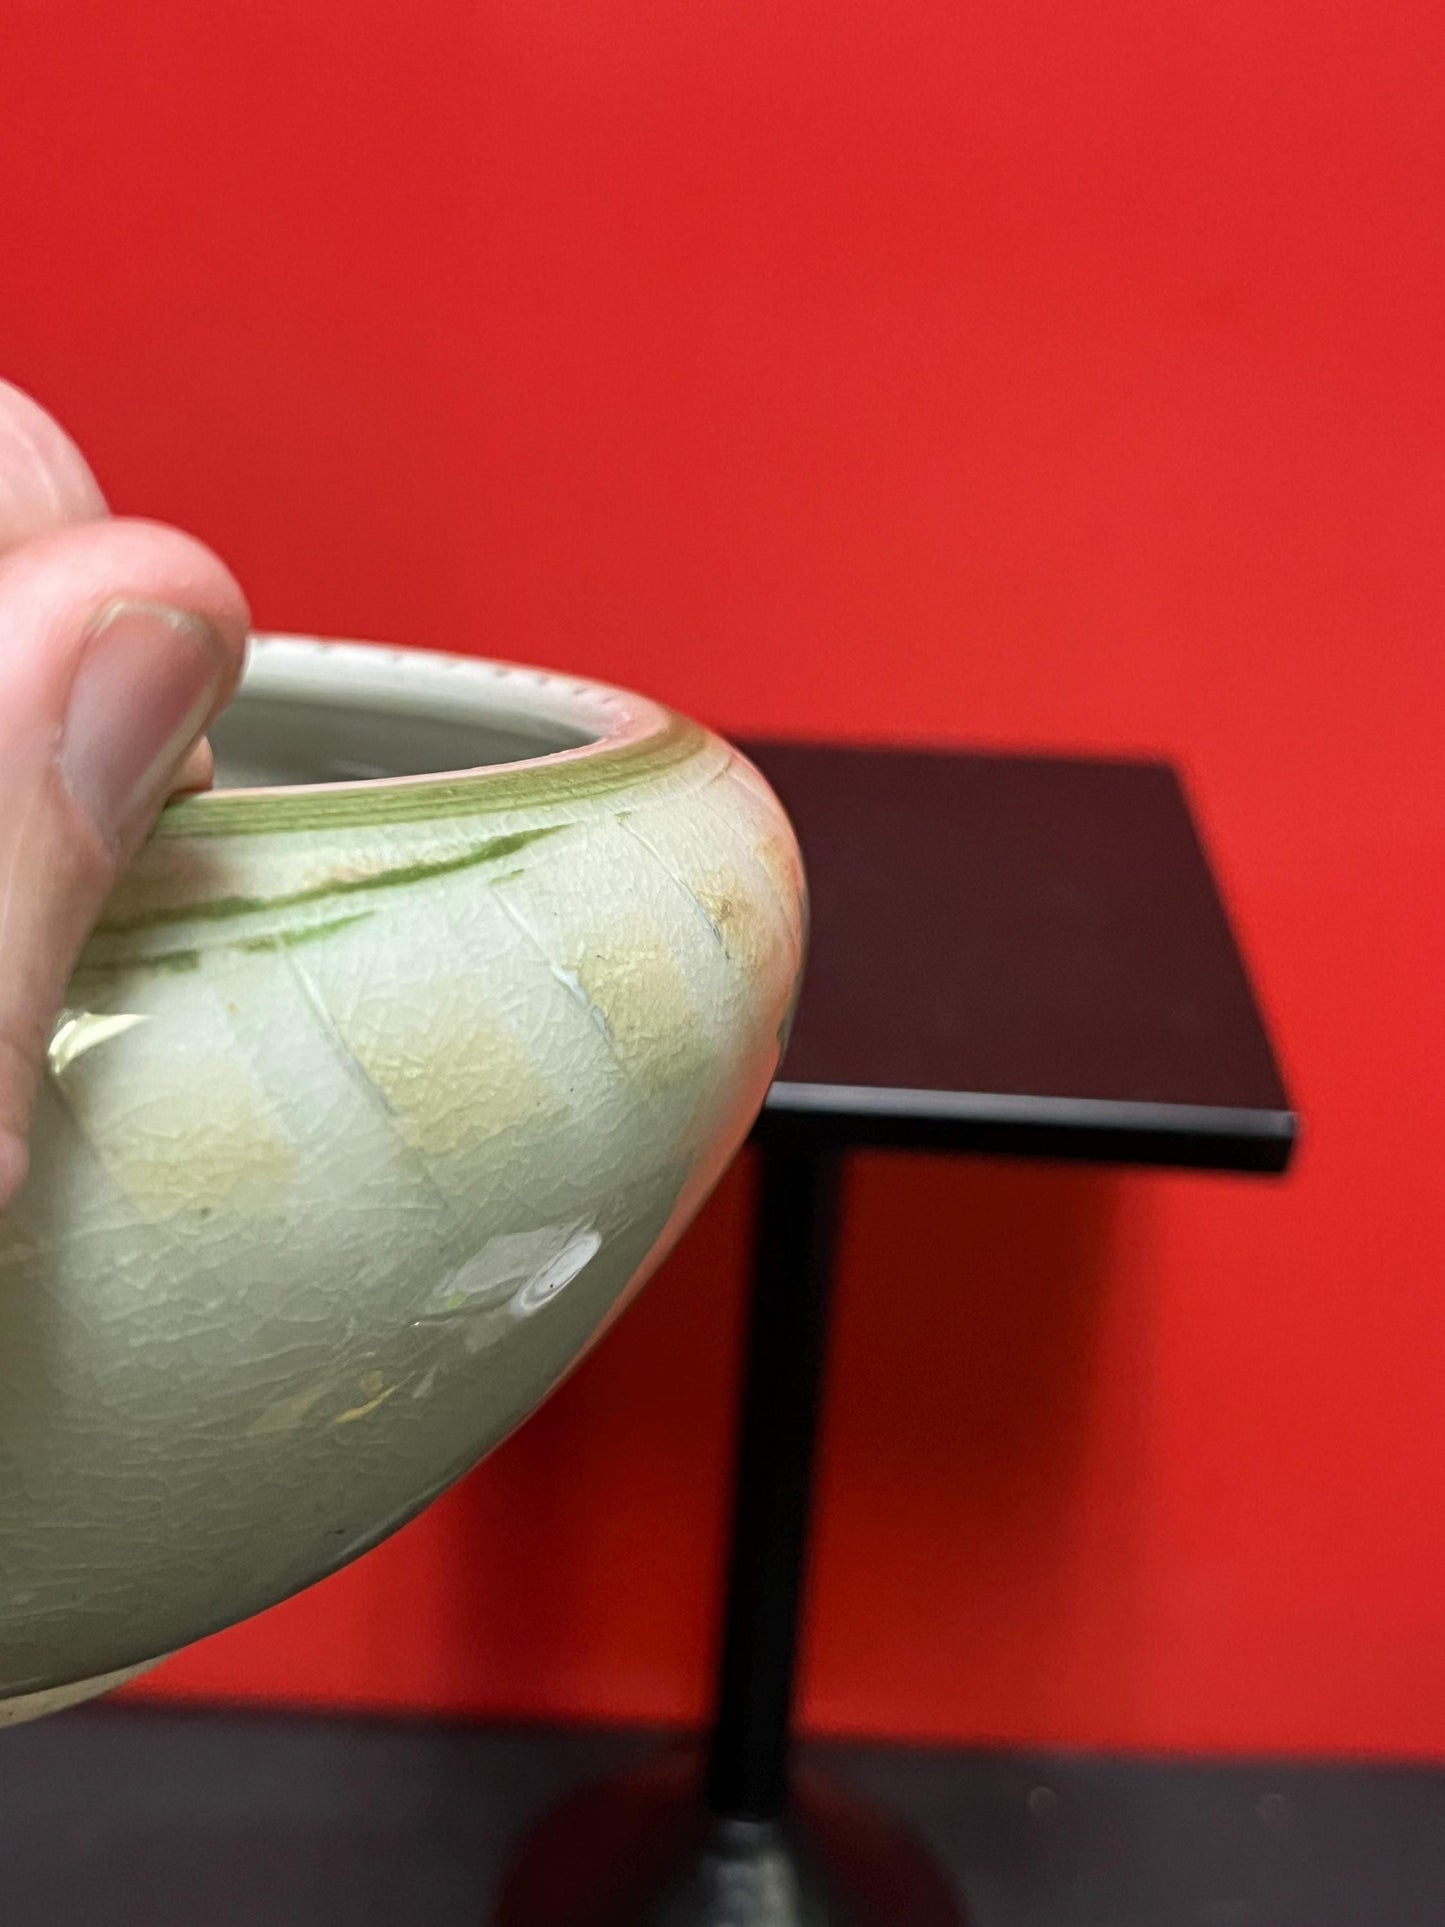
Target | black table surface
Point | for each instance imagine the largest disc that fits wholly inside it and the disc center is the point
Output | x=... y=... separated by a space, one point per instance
x=1018 y=954
x=132 y=1818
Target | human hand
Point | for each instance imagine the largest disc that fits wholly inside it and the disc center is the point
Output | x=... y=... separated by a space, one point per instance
x=120 y=641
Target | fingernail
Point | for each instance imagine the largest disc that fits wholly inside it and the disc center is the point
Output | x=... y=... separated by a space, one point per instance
x=148 y=680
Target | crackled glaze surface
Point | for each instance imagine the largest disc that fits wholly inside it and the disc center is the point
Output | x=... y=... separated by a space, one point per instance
x=371 y=1103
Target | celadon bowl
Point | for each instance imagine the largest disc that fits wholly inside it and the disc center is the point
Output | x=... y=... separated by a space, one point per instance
x=394 y=1065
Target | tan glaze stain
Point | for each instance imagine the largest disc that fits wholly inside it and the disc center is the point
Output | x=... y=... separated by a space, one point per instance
x=213 y=1137
x=374 y=1392
x=782 y=866
x=453 y=1075
x=744 y=926
x=641 y=992
x=287 y=1414
x=359 y=1396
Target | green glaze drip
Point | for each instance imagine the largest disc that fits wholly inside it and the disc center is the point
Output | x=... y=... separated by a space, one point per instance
x=309 y=933
x=224 y=909
x=177 y=960
x=170 y=961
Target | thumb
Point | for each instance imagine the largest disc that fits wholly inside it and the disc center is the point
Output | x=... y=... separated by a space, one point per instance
x=119 y=642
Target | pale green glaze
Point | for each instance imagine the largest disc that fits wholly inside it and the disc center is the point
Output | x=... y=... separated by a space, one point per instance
x=477 y=794
x=372 y=1103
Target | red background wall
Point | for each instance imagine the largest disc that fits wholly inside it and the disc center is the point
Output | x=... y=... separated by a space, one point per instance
x=1065 y=373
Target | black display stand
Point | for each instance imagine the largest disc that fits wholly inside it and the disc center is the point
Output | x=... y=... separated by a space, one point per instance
x=1011 y=955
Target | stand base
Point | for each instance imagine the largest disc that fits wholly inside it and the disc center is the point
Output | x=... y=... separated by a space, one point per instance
x=643 y=1852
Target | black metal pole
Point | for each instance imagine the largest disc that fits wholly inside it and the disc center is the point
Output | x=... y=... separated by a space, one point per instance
x=640 y=1851
x=793 y=1245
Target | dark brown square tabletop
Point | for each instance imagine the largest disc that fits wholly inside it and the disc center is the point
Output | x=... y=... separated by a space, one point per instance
x=1020 y=954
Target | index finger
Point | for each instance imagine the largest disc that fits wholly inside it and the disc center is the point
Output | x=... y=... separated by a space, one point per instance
x=45 y=481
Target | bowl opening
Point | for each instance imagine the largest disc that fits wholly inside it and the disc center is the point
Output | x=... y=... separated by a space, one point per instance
x=267 y=740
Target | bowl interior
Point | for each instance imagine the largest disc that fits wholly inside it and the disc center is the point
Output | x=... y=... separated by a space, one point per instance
x=267 y=738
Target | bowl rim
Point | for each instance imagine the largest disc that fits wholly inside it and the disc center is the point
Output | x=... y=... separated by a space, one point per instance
x=629 y=737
